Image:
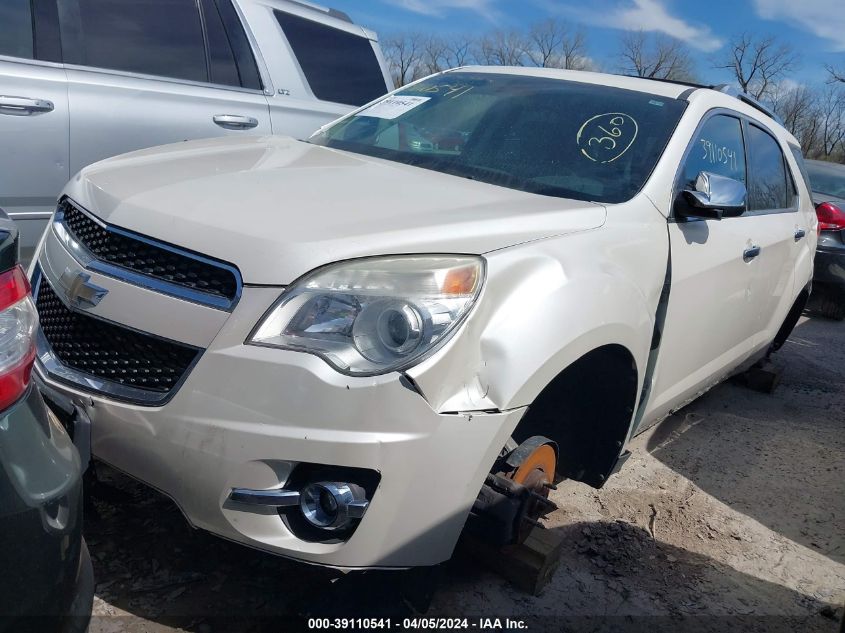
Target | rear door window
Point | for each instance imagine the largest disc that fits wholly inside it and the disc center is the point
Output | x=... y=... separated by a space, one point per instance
x=221 y=58
x=239 y=45
x=770 y=187
x=339 y=66
x=151 y=37
x=16 y=29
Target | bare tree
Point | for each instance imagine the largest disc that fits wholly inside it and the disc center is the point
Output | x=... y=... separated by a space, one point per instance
x=553 y=44
x=404 y=54
x=836 y=74
x=810 y=138
x=758 y=63
x=460 y=48
x=798 y=108
x=655 y=57
x=502 y=48
x=435 y=55
x=413 y=55
x=831 y=121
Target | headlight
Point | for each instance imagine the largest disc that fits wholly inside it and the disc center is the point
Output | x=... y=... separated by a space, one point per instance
x=372 y=316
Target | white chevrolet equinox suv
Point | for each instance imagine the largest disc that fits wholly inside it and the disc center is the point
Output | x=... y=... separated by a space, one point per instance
x=347 y=350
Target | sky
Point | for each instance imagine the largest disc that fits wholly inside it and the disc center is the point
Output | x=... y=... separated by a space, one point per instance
x=814 y=28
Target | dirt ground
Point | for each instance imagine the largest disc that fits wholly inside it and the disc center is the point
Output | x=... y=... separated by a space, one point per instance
x=728 y=517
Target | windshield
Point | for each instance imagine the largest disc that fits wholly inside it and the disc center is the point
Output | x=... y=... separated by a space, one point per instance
x=546 y=136
x=827 y=179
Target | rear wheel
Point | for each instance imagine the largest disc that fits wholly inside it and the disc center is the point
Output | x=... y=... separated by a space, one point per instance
x=829 y=305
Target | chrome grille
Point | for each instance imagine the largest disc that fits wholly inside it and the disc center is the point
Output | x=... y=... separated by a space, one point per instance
x=154 y=260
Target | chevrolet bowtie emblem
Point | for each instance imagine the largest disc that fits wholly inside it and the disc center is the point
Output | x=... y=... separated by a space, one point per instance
x=81 y=293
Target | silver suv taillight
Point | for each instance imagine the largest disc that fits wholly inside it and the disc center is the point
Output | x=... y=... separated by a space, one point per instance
x=18 y=322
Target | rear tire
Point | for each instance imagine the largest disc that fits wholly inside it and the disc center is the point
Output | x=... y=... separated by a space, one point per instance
x=789 y=323
x=831 y=306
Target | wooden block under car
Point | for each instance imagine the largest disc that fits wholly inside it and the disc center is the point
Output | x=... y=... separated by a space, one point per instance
x=529 y=565
x=763 y=377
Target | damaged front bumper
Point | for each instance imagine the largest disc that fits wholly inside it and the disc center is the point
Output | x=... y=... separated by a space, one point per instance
x=265 y=419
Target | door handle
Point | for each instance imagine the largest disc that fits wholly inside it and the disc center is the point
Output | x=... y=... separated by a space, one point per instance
x=750 y=253
x=235 y=121
x=24 y=106
x=799 y=234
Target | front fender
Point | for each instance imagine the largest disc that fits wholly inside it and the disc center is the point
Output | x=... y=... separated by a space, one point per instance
x=544 y=306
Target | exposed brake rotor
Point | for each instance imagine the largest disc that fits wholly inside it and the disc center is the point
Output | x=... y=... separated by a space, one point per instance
x=532 y=465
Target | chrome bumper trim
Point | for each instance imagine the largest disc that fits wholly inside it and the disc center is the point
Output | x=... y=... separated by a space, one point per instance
x=278 y=498
x=89 y=261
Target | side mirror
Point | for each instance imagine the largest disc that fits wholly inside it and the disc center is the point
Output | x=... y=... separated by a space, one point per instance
x=714 y=197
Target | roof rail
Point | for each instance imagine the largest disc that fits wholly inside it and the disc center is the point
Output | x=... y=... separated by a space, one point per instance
x=335 y=13
x=733 y=91
x=678 y=82
x=727 y=89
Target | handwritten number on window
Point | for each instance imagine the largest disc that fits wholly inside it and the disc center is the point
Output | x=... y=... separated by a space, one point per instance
x=448 y=90
x=610 y=135
x=718 y=154
x=605 y=137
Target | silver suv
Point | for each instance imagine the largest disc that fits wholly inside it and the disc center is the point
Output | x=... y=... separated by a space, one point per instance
x=82 y=80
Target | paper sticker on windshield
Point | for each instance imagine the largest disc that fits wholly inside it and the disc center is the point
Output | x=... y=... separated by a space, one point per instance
x=605 y=137
x=394 y=106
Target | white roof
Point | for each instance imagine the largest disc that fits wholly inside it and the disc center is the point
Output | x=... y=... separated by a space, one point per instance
x=662 y=88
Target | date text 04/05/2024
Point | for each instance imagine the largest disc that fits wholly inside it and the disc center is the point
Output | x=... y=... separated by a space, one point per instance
x=423 y=623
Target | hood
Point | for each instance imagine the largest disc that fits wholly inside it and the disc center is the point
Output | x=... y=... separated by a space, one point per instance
x=277 y=208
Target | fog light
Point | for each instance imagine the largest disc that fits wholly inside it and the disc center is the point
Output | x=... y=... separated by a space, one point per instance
x=332 y=505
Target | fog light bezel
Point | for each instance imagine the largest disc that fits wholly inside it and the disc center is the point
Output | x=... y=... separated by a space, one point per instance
x=349 y=500
x=307 y=473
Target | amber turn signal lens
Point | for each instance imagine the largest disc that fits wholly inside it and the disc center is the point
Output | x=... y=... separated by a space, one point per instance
x=460 y=281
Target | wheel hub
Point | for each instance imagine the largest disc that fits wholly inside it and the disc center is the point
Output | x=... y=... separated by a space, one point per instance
x=532 y=465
